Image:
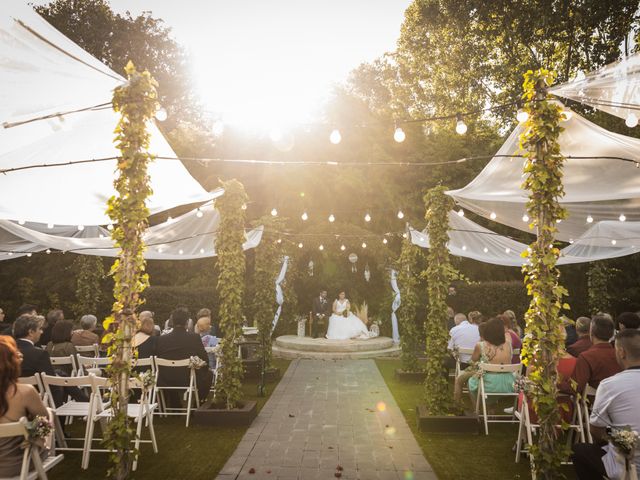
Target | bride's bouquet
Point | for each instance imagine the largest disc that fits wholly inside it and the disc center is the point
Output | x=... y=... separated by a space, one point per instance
x=345 y=313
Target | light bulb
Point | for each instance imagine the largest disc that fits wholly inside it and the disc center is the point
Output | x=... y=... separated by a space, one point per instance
x=304 y=217
x=180 y=251
x=332 y=218
x=48 y=251
x=461 y=127
x=10 y=254
x=159 y=249
x=558 y=220
x=244 y=206
x=110 y=226
x=566 y=115
x=367 y=218
x=589 y=219
x=49 y=226
x=385 y=241
x=404 y=235
x=202 y=250
x=522 y=115
x=343 y=248
x=217 y=128
x=507 y=250
x=631 y=120
x=300 y=245
x=274 y=212
x=525 y=218
x=161 y=114
x=461 y=213
x=493 y=216
x=622 y=217
x=199 y=213
x=80 y=228
x=399 y=135
x=335 y=136
x=485 y=250
x=321 y=247
x=21 y=222
x=275 y=134
x=279 y=240
x=613 y=242
x=464 y=247
x=364 y=245
x=169 y=219
x=400 y=214
x=29 y=254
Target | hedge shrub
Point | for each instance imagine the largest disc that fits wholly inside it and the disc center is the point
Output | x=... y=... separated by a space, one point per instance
x=162 y=300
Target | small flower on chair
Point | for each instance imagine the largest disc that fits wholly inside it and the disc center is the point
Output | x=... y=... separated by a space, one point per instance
x=196 y=363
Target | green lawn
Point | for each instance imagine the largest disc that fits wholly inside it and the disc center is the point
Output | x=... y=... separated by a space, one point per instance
x=456 y=457
x=194 y=453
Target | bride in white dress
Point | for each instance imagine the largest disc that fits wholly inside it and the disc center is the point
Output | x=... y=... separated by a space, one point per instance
x=345 y=328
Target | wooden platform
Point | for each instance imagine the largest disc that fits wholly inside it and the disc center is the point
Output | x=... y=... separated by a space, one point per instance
x=292 y=346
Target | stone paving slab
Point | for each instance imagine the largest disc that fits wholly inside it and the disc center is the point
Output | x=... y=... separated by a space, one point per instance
x=324 y=414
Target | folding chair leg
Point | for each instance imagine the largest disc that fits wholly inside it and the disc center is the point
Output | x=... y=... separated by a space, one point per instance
x=520 y=433
x=189 y=405
x=88 y=436
x=152 y=432
x=137 y=442
x=26 y=459
x=484 y=407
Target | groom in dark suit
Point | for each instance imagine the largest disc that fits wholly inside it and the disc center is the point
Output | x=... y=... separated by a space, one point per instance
x=321 y=311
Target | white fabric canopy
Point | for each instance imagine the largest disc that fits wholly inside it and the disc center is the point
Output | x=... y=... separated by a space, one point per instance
x=42 y=73
x=614 y=88
x=601 y=188
x=189 y=236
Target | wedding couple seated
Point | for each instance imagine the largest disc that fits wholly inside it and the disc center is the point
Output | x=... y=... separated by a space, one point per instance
x=342 y=323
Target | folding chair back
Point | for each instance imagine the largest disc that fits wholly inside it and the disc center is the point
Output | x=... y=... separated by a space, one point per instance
x=589 y=391
x=462 y=351
x=85 y=364
x=35 y=381
x=481 y=400
x=69 y=361
x=191 y=388
x=88 y=350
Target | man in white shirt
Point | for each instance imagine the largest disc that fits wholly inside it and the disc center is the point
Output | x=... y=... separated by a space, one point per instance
x=463 y=335
x=615 y=406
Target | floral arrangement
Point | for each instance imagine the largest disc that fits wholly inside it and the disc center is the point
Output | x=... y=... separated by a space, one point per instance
x=455 y=353
x=523 y=384
x=345 y=313
x=147 y=379
x=625 y=441
x=196 y=363
x=38 y=429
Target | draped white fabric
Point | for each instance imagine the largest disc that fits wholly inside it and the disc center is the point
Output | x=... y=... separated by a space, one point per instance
x=395 y=332
x=470 y=240
x=279 y=292
x=189 y=236
x=600 y=188
x=42 y=73
x=614 y=89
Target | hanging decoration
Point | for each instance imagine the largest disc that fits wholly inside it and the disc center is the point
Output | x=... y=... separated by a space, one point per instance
x=279 y=292
x=353 y=258
x=367 y=273
x=395 y=333
x=310 y=268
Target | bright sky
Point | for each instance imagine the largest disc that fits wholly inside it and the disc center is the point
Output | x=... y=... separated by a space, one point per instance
x=266 y=62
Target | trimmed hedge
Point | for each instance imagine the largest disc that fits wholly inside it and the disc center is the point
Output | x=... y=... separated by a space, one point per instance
x=162 y=300
x=491 y=298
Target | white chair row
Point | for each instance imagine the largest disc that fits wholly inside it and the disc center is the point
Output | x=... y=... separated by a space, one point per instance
x=32 y=452
x=482 y=395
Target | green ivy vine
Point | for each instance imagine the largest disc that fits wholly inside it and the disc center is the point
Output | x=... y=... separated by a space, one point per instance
x=438 y=275
x=409 y=283
x=137 y=103
x=599 y=275
x=231 y=271
x=544 y=340
x=88 y=290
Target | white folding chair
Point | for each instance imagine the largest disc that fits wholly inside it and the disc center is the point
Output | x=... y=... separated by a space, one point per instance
x=88 y=350
x=462 y=351
x=481 y=400
x=140 y=412
x=31 y=454
x=189 y=389
x=65 y=361
x=589 y=392
x=73 y=408
x=36 y=382
x=217 y=369
x=88 y=365
x=526 y=429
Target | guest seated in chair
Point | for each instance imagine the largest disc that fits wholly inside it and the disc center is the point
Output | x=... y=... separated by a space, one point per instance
x=144 y=340
x=583 y=343
x=180 y=345
x=203 y=328
x=464 y=335
x=61 y=346
x=86 y=335
x=16 y=401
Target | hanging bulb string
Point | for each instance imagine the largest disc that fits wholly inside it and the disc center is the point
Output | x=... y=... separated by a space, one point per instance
x=100 y=106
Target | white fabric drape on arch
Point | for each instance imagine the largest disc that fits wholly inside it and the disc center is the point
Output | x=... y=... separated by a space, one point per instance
x=395 y=332
x=279 y=291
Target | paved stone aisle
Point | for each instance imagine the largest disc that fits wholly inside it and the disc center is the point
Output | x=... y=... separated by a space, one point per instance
x=326 y=413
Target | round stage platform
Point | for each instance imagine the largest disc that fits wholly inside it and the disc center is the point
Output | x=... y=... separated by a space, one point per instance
x=292 y=346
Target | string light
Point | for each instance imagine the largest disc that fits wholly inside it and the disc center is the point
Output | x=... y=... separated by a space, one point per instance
x=279 y=241
x=404 y=235
x=202 y=250
x=29 y=254
x=335 y=136
x=49 y=226
x=364 y=245
x=399 y=135
x=275 y=134
x=522 y=115
x=525 y=218
x=321 y=247
x=180 y=251
x=589 y=219
x=485 y=250
x=199 y=213
x=493 y=216
x=332 y=218
x=632 y=120
x=304 y=217
x=622 y=217
x=613 y=242
x=300 y=245
x=461 y=127
x=21 y=222
x=161 y=114
x=274 y=212
x=464 y=247
x=461 y=213
x=507 y=250
x=400 y=214
x=48 y=251
x=169 y=219
x=385 y=241
x=110 y=226
x=367 y=218
x=80 y=228
x=566 y=115
x=343 y=248
x=244 y=206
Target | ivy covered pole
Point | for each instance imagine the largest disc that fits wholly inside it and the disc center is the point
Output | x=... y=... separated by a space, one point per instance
x=137 y=103
x=438 y=274
x=544 y=340
x=408 y=283
x=267 y=265
x=88 y=291
x=231 y=271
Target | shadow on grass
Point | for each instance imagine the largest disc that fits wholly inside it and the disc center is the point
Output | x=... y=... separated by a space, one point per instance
x=460 y=456
x=197 y=452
